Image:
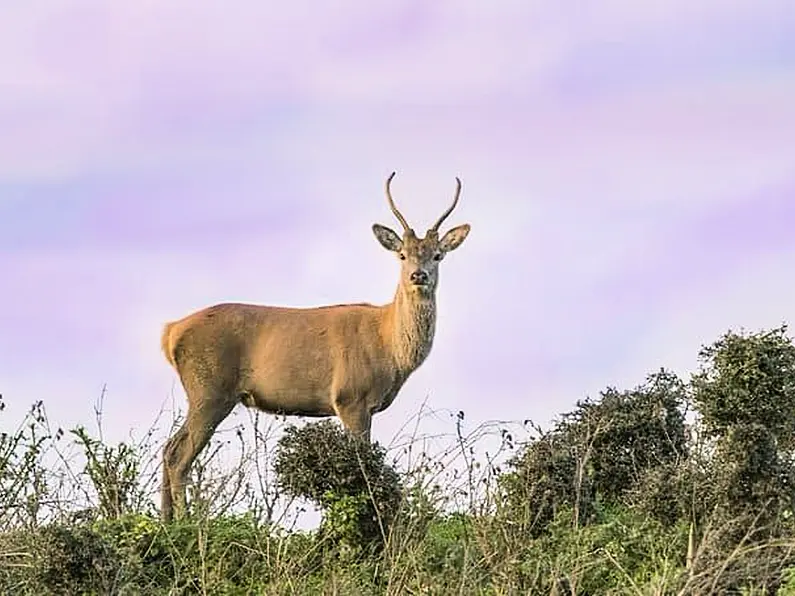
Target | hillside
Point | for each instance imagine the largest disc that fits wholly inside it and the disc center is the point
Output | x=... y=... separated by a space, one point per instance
x=671 y=487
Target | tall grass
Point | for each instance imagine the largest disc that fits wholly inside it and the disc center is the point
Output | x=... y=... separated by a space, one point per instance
x=78 y=515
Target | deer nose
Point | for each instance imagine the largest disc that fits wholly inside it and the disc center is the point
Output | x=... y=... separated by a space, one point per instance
x=419 y=277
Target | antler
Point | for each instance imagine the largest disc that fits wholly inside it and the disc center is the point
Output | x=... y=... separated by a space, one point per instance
x=444 y=216
x=406 y=227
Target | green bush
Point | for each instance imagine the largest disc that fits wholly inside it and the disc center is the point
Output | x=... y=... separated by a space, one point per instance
x=619 y=552
x=598 y=453
x=358 y=492
x=59 y=559
x=222 y=553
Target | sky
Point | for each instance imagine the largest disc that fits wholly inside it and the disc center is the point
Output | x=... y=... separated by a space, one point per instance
x=628 y=171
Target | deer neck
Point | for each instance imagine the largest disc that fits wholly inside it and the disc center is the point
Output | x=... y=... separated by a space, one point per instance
x=412 y=326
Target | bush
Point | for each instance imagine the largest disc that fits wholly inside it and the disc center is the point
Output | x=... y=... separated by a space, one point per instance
x=60 y=559
x=348 y=479
x=598 y=453
x=619 y=552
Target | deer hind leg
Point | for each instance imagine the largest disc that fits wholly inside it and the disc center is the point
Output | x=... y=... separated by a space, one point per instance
x=181 y=450
x=166 y=499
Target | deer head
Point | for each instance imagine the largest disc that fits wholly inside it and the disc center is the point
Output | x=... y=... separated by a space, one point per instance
x=420 y=257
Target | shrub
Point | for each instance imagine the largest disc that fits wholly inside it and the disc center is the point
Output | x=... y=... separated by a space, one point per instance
x=59 y=559
x=358 y=492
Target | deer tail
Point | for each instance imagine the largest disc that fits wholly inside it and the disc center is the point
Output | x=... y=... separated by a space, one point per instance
x=167 y=342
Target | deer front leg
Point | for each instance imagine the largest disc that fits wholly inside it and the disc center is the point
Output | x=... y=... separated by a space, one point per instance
x=355 y=416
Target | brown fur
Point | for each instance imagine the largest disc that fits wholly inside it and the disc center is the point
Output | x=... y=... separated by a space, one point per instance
x=166 y=343
x=347 y=360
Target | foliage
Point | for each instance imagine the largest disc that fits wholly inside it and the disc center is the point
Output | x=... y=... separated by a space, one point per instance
x=114 y=472
x=348 y=478
x=23 y=477
x=598 y=453
x=619 y=551
x=672 y=492
x=542 y=479
x=633 y=432
x=59 y=559
x=629 y=493
x=745 y=393
x=748 y=379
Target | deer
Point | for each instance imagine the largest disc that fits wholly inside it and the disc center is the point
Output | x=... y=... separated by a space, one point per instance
x=343 y=360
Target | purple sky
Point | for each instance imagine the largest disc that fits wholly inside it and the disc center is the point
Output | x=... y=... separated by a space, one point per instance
x=628 y=170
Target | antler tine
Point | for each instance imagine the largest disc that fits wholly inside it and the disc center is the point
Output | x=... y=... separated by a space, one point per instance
x=397 y=213
x=444 y=216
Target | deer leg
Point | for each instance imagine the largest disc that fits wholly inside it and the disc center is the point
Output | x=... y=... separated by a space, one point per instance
x=166 y=500
x=356 y=417
x=181 y=450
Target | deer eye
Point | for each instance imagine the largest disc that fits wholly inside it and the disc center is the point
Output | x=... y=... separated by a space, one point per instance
x=402 y=256
x=438 y=256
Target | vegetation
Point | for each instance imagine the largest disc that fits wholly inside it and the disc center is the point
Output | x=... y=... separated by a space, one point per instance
x=672 y=487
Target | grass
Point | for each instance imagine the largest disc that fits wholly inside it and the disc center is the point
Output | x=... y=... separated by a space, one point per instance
x=78 y=516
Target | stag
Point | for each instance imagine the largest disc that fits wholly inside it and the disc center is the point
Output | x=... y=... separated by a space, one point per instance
x=346 y=360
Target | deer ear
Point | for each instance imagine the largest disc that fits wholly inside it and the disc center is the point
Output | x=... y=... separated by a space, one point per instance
x=388 y=239
x=453 y=238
